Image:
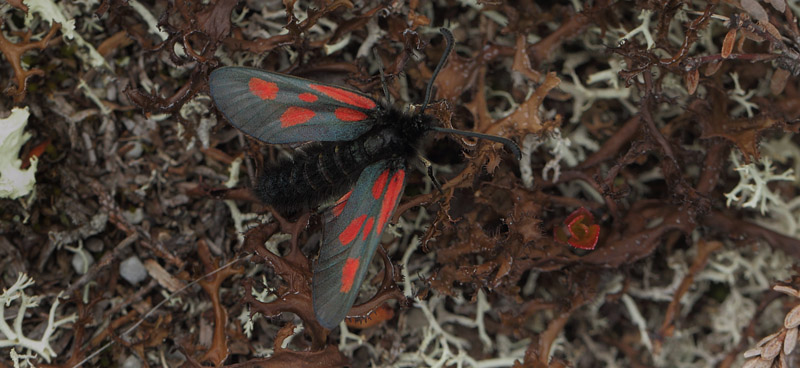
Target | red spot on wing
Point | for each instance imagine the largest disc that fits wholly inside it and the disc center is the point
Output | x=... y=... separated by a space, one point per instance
x=351 y=231
x=345 y=114
x=307 y=97
x=263 y=89
x=345 y=96
x=349 y=274
x=339 y=206
x=367 y=228
x=390 y=198
x=380 y=184
x=296 y=115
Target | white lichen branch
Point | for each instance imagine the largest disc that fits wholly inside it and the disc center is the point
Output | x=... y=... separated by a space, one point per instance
x=14 y=335
x=643 y=29
x=742 y=97
x=752 y=190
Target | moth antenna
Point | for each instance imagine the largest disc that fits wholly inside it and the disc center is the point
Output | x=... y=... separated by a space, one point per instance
x=513 y=147
x=448 y=37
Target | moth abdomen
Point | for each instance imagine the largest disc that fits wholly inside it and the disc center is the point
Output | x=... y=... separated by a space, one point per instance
x=320 y=173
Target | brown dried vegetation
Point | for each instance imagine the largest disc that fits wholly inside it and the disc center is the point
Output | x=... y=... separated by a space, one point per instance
x=125 y=181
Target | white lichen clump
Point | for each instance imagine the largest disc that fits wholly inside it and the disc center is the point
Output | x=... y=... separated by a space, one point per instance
x=752 y=190
x=15 y=182
x=13 y=335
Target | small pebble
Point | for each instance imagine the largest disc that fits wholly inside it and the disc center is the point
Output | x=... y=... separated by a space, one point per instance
x=132 y=270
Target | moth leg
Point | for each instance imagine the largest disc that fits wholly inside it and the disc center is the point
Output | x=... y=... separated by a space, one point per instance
x=383 y=77
x=429 y=166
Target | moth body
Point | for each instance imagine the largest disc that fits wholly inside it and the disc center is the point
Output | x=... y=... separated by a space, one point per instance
x=324 y=171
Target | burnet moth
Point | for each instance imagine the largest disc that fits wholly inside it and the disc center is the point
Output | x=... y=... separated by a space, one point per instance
x=360 y=155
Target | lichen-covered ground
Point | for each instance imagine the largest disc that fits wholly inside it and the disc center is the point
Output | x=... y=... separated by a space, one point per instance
x=661 y=134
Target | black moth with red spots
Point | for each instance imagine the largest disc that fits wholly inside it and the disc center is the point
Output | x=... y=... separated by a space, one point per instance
x=360 y=152
x=328 y=170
